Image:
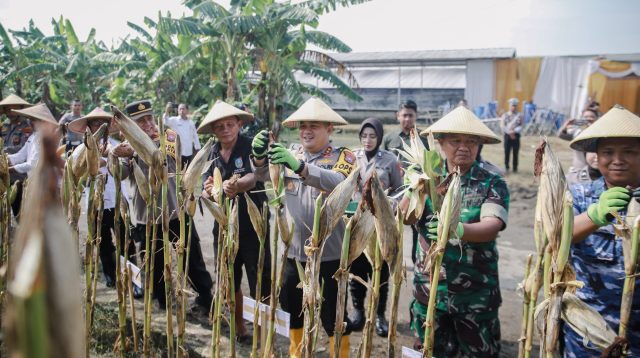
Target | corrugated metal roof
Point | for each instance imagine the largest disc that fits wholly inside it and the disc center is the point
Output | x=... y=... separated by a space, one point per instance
x=628 y=57
x=415 y=58
x=410 y=77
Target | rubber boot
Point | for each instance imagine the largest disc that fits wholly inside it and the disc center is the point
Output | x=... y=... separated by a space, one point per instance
x=295 y=343
x=344 y=347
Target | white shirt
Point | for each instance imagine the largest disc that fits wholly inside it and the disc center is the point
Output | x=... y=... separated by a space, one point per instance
x=186 y=130
x=27 y=157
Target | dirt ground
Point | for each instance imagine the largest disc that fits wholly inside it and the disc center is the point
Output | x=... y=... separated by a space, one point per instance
x=514 y=244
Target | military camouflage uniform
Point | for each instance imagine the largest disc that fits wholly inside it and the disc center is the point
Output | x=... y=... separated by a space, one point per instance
x=599 y=263
x=466 y=317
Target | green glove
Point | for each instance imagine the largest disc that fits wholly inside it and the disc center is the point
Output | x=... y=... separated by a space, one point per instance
x=260 y=144
x=432 y=229
x=613 y=199
x=278 y=154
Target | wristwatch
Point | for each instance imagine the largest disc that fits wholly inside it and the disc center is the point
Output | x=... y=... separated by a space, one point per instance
x=301 y=167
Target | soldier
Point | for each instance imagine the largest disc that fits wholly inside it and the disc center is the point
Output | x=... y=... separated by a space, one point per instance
x=468 y=295
x=15 y=133
x=313 y=166
x=369 y=158
x=141 y=113
x=94 y=120
x=232 y=156
x=597 y=251
x=407 y=115
x=71 y=139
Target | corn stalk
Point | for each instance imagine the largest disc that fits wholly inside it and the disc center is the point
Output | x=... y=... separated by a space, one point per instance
x=449 y=217
x=396 y=279
x=525 y=310
x=231 y=251
x=376 y=264
x=259 y=221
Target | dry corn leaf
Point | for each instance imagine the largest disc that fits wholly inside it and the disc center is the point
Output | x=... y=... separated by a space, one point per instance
x=194 y=171
x=385 y=223
x=450 y=211
x=336 y=203
x=141 y=182
x=255 y=216
x=216 y=210
x=137 y=138
x=362 y=232
x=552 y=188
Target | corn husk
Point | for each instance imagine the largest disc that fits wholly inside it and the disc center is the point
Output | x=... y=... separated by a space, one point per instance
x=414 y=152
x=43 y=283
x=93 y=154
x=552 y=187
x=335 y=205
x=362 y=233
x=450 y=208
x=216 y=190
x=256 y=217
x=385 y=225
x=582 y=318
x=194 y=171
x=216 y=210
x=141 y=182
x=137 y=138
x=79 y=167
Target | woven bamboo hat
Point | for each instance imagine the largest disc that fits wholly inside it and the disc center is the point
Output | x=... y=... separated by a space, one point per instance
x=13 y=102
x=617 y=123
x=462 y=121
x=38 y=112
x=314 y=110
x=80 y=125
x=222 y=110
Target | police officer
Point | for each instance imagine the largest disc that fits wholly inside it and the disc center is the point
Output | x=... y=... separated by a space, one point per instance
x=468 y=293
x=15 y=133
x=597 y=252
x=232 y=156
x=369 y=158
x=94 y=120
x=141 y=113
x=313 y=166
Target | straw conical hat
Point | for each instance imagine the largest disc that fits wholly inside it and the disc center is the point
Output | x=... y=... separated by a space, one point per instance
x=38 y=112
x=314 y=110
x=617 y=123
x=220 y=111
x=462 y=121
x=13 y=101
x=80 y=125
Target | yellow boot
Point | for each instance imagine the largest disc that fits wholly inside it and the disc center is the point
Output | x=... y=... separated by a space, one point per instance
x=295 y=343
x=344 y=347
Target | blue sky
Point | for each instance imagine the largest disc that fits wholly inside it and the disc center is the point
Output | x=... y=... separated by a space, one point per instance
x=533 y=27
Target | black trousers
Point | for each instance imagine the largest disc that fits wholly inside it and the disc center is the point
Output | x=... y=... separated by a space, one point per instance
x=17 y=202
x=291 y=295
x=511 y=145
x=247 y=256
x=198 y=275
x=414 y=243
x=107 y=247
x=362 y=268
x=185 y=160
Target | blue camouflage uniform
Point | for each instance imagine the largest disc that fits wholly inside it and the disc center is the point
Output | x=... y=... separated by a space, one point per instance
x=599 y=263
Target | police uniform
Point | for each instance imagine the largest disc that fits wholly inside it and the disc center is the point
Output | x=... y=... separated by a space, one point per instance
x=240 y=164
x=198 y=274
x=326 y=169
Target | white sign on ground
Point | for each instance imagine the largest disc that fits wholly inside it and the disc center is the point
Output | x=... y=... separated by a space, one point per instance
x=136 y=276
x=410 y=353
x=282 y=317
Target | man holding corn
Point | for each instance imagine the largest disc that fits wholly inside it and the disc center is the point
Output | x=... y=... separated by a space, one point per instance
x=468 y=294
x=141 y=113
x=597 y=253
x=312 y=167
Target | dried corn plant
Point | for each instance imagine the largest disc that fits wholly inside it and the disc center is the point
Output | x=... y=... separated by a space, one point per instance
x=259 y=221
x=43 y=274
x=448 y=219
x=397 y=278
x=7 y=191
x=326 y=217
x=359 y=231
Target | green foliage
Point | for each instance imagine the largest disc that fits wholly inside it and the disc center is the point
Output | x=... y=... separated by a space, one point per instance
x=246 y=53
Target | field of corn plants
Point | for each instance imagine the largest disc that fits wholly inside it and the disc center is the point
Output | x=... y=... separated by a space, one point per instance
x=112 y=314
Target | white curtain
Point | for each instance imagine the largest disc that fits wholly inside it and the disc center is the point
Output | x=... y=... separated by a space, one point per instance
x=559 y=83
x=481 y=82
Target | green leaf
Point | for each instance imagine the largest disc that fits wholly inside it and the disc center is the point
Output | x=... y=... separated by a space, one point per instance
x=326 y=41
x=72 y=38
x=140 y=30
x=184 y=26
x=6 y=41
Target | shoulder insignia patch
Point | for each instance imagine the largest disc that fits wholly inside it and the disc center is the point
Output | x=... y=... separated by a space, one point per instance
x=345 y=162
